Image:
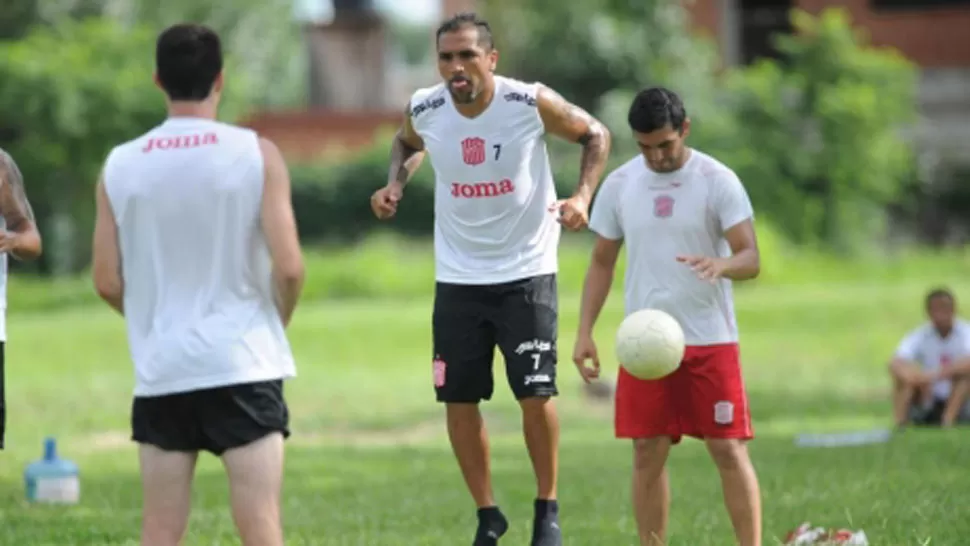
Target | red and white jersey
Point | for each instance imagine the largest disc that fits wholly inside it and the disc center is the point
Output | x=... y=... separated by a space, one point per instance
x=199 y=297
x=663 y=215
x=925 y=347
x=493 y=185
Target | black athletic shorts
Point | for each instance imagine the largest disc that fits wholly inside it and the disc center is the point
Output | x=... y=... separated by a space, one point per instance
x=469 y=321
x=213 y=420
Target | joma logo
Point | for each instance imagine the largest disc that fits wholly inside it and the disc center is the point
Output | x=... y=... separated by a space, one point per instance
x=482 y=189
x=186 y=141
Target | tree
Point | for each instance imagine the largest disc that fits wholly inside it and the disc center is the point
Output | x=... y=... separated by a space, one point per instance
x=819 y=138
x=68 y=93
x=589 y=49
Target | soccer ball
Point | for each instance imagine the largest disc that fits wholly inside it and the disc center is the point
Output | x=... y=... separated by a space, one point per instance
x=649 y=344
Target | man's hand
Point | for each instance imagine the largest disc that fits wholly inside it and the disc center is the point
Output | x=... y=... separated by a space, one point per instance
x=9 y=242
x=384 y=201
x=707 y=269
x=573 y=212
x=586 y=350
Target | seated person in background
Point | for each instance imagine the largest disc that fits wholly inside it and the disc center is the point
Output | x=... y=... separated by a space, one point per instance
x=931 y=367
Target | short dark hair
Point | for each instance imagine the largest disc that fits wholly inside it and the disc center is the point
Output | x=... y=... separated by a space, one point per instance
x=938 y=293
x=188 y=58
x=655 y=108
x=468 y=19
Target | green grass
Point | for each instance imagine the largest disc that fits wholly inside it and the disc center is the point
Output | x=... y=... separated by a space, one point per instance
x=368 y=463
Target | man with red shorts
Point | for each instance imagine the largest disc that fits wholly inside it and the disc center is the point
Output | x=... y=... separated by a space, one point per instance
x=687 y=223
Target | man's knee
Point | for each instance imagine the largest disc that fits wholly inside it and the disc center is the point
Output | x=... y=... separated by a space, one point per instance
x=650 y=454
x=728 y=454
x=536 y=404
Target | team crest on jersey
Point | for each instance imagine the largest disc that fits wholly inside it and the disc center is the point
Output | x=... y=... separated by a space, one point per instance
x=663 y=206
x=473 y=151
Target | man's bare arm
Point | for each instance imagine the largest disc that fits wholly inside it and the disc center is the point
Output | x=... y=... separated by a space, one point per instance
x=407 y=153
x=959 y=368
x=279 y=227
x=572 y=123
x=599 y=279
x=25 y=242
x=745 y=260
x=106 y=256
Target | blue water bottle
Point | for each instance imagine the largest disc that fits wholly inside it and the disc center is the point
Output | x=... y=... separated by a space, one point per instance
x=52 y=479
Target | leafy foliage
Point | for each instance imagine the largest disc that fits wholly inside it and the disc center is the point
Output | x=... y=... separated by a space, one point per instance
x=819 y=139
x=68 y=94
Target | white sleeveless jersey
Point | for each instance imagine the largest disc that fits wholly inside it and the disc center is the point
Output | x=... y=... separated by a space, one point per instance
x=493 y=186
x=198 y=296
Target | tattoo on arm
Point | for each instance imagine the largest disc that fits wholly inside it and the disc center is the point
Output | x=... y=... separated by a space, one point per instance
x=596 y=149
x=568 y=120
x=405 y=159
x=14 y=206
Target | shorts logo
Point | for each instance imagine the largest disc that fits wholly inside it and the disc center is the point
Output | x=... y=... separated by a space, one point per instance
x=537 y=378
x=473 y=151
x=724 y=413
x=663 y=206
x=438 y=367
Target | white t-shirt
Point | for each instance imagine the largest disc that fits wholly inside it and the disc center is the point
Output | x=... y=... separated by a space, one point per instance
x=197 y=272
x=661 y=216
x=925 y=347
x=493 y=186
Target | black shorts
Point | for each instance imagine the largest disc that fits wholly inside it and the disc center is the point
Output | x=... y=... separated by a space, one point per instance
x=932 y=416
x=213 y=420
x=469 y=321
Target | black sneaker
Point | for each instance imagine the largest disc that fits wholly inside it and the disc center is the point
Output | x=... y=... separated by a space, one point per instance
x=545 y=526
x=491 y=526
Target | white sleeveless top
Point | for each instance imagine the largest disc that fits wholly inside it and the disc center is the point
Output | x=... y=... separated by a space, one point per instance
x=198 y=297
x=493 y=186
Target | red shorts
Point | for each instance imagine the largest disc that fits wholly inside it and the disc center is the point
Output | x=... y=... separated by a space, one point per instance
x=703 y=398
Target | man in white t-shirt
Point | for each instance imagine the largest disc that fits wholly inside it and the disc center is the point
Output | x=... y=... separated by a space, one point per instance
x=196 y=246
x=931 y=367
x=497 y=226
x=19 y=238
x=687 y=223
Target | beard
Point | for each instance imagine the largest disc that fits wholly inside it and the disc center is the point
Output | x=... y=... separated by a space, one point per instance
x=464 y=95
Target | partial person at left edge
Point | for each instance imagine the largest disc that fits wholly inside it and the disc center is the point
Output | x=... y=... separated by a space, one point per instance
x=20 y=238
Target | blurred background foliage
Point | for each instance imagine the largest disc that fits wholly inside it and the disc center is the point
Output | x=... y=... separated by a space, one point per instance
x=822 y=138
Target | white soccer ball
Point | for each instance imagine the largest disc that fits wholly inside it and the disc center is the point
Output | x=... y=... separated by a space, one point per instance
x=649 y=344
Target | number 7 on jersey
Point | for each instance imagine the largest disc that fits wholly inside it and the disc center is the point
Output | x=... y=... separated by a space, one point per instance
x=498 y=150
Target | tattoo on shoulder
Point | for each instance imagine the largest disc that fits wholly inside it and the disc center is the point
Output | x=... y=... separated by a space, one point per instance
x=14 y=206
x=570 y=114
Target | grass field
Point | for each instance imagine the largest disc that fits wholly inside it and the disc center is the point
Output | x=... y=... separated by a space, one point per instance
x=369 y=465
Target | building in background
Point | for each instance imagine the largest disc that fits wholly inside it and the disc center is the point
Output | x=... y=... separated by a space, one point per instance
x=356 y=88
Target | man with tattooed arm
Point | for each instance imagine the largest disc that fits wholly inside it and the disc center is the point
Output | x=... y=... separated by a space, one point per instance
x=497 y=229
x=19 y=238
